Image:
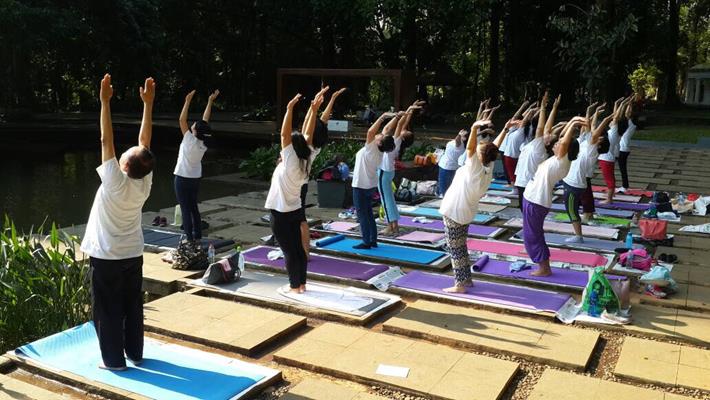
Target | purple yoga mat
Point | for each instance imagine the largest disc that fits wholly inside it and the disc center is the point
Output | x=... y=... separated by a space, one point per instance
x=438 y=225
x=624 y=206
x=560 y=276
x=330 y=266
x=486 y=292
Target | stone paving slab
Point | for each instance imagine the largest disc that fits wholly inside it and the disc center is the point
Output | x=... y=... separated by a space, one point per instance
x=317 y=389
x=686 y=256
x=689 y=297
x=664 y=363
x=205 y=209
x=245 y=234
x=219 y=323
x=692 y=242
x=559 y=385
x=13 y=389
x=236 y=216
x=689 y=273
x=158 y=276
x=536 y=340
x=437 y=371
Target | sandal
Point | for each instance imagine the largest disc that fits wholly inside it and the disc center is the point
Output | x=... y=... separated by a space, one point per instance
x=163 y=222
x=156 y=221
x=671 y=258
x=663 y=257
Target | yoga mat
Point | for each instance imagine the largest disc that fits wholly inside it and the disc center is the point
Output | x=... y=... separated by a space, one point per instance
x=600 y=219
x=560 y=276
x=482 y=207
x=438 y=225
x=504 y=193
x=498 y=200
x=168 y=371
x=434 y=213
x=499 y=186
x=164 y=239
x=619 y=197
x=600 y=210
x=632 y=192
x=318 y=264
x=510 y=213
x=589 y=243
x=486 y=292
x=518 y=250
x=624 y=206
x=329 y=298
x=329 y=240
x=342 y=226
x=420 y=236
x=558 y=227
x=387 y=251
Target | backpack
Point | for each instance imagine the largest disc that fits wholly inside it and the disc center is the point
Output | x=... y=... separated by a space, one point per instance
x=226 y=270
x=661 y=201
x=407 y=192
x=642 y=261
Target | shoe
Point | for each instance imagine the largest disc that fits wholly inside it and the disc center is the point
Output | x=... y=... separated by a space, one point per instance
x=655 y=291
x=574 y=239
x=663 y=257
x=374 y=245
x=361 y=246
x=156 y=221
x=620 y=190
x=135 y=362
x=163 y=222
x=615 y=318
x=671 y=258
x=102 y=366
x=584 y=219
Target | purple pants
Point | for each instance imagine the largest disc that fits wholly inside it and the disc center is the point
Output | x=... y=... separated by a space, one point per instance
x=533 y=231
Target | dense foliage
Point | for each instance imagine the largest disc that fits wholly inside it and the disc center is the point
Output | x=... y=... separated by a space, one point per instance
x=53 y=52
x=44 y=286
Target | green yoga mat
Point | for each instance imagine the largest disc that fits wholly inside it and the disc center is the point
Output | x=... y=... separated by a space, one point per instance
x=599 y=220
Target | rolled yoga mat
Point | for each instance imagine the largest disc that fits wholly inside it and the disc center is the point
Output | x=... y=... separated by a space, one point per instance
x=329 y=240
x=518 y=250
x=624 y=206
x=387 y=251
x=601 y=210
x=438 y=225
x=480 y=263
x=318 y=264
x=485 y=292
x=168 y=371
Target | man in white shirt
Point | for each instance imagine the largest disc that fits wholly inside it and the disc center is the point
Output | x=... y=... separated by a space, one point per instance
x=114 y=237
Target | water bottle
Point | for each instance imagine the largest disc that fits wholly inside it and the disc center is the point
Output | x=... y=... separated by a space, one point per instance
x=629 y=240
x=629 y=259
x=681 y=198
x=210 y=253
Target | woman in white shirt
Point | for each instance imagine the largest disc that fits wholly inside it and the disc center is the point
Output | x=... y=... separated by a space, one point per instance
x=365 y=177
x=188 y=170
x=537 y=198
x=448 y=164
x=460 y=204
x=608 y=160
x=625 y=145
x=284 y=198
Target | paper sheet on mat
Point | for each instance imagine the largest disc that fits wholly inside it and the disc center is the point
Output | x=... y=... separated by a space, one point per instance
x=385 y=279
x=328 y=298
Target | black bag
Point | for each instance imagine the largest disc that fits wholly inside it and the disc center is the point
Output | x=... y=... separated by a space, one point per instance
x=189 y=256
x=226 y=270
x=662 y=202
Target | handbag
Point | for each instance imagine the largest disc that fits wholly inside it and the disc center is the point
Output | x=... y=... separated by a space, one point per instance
x=226 y=270
x=653 y=229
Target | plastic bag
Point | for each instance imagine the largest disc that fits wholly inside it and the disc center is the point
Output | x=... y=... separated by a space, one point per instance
x=599 y=295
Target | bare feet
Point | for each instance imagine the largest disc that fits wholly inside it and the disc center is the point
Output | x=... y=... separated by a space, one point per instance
x=102 y=366
x=605 y=202
x=302 y=289
x=455 y=289
x=541 y=272
x=295 y=290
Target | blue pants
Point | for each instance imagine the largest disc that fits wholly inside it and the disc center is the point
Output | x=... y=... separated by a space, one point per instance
x=186 y=190
x=384 y=186
x=445 y=178
x=363 y=204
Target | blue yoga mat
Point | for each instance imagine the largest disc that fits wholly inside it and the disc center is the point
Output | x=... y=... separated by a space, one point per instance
x=387 y=251
x=168 y=371
x=434 y=213
x=499 y=186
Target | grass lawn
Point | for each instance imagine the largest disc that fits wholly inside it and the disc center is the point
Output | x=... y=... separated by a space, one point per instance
x=674 y=133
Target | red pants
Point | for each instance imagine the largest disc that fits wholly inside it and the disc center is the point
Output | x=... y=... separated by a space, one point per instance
x=607 y=168
x=510 y=164
x=588 y=199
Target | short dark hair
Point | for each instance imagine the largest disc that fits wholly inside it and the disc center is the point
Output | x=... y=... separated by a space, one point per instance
x=603 y=144
x=320 y=134
x=490 y=153
x=140 y=164
x=573 y=150
x=202 y=129
x=386 y=144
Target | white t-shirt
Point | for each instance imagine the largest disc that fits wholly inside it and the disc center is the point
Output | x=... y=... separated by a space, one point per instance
x=625 y=141
x=450 y=159
x=389 y=158
x=614 y=139
x=114 y=229
x=531 y=155
x=516 y=139
x=503 y=145
x=367 y=160
x=470 y=183
x=462 y=158
x=285 y=190
x=189 y=161
x=539 y=190
x=583 y=166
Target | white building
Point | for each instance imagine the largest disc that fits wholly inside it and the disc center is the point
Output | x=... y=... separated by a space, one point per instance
x=697 y=87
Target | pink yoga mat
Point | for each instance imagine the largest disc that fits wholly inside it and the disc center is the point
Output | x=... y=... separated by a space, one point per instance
x=631 y=192
x=518 y=250
x=342 y=226
x=560 y=227
x=419 y=236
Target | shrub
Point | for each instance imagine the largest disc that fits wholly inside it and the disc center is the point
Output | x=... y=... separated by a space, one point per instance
x=418 y=148
x=261 y=162
x=44 y=288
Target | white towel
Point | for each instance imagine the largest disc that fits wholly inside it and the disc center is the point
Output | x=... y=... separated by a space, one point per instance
x=275 y=254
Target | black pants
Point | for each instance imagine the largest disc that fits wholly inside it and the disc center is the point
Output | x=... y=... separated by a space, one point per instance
x=287 y=231
x=304 y=193
x=521 y=190
x=117 y=304
x=573 y=199
x=186 y=190
x=623 y=158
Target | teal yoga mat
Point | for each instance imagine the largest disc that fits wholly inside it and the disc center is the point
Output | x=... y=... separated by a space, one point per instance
x=434 y=213
x=384 y=251
x=168 y=371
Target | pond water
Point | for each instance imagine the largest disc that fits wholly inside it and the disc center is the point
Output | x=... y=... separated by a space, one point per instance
x=57 y=182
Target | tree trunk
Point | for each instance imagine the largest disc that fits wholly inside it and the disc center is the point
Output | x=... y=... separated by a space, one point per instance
x=494 y=50
x=671 y=92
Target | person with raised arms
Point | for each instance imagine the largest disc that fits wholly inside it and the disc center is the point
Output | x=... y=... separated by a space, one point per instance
x=460 y=203
x=608 y=159
x=537 y=198
x=114 y=237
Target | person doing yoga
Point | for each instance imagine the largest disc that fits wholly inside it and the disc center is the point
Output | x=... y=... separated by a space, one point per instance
x=460 y=203
x=537 y=198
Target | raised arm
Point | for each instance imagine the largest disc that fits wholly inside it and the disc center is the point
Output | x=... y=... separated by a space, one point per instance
x=519 y=113
x=147 y=93
x=568 y=135
x=208 y=109
x=107 y=148
x=482 y=106
x=375 y=127
x=590 y=110
x=325 y=117
x=286 y=125
x=501 y=136
x=391 y=125
x=553 y=114
x=599 y=130
x=541 y=125
x=488 y=113
x=312 y=113
x=184 y=126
